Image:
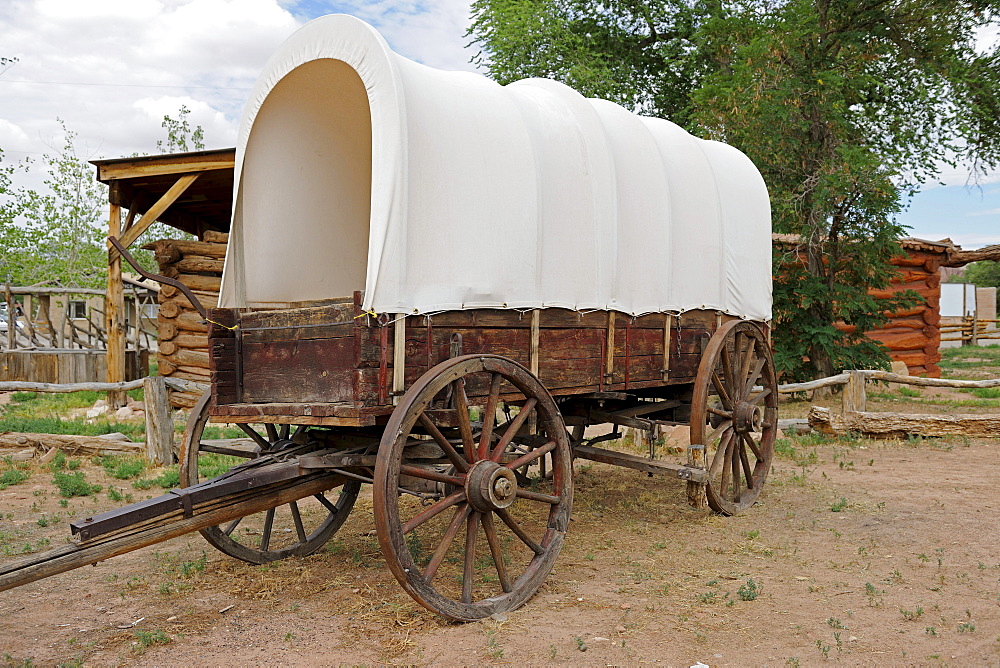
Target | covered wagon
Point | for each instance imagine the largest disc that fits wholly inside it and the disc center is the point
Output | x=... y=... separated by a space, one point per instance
x=441 y=287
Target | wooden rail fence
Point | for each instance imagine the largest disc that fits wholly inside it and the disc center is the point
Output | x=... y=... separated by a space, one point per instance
x=970 y=331
x=854 y=417
x=159 y=425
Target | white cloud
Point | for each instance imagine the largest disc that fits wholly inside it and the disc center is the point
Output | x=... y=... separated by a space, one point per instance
x=112 y=68
x=988 y=212
x=431 y=32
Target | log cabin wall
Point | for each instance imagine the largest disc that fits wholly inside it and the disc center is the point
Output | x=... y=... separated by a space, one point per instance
x=913 y=336
x=183 y=335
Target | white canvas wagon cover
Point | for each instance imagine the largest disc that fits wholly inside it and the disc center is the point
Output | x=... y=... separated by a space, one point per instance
x=431 y=190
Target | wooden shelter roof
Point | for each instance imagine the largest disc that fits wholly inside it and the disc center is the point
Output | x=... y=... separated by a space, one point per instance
x=137 y=183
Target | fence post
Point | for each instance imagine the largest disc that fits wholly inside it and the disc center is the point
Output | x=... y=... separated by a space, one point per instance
x=854 y=392
x=159 y=426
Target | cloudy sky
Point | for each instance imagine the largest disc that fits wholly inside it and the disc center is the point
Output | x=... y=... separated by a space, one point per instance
x=111 y=69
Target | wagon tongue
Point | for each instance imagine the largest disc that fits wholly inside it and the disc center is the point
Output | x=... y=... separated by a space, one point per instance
x=250 y=488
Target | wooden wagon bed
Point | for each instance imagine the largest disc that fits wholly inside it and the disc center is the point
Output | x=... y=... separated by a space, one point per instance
x=332 y=364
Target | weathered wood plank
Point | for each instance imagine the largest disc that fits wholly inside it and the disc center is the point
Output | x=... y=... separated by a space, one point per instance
x=302 y=371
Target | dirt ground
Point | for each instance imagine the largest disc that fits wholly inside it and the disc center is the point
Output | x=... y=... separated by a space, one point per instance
x=860 y=552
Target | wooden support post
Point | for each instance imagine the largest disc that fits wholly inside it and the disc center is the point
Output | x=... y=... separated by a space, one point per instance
x=398 y=357
x=609 y=351
x=136 y=329
x=159 y=426
x=11 y=317
x=536 y=316
x=668 y=323
x=854 y=397
x=114 y=306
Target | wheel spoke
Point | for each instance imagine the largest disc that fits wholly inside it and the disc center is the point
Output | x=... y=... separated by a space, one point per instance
x=272 y=432
x=736 y=469
x=758 y=398
x=299 y=429
x=748 y=387
x=721 y=389
x=538 y=496
x=265 y=538
x=496 y=551
x=456 y=459
x=300 y=530
x=429 y=474
x=489 y=416
x=284 y=430
x=745 y=461
x=727 y=366
x=748 y=439
x=232 y=526
x=727 y=467
x=519 y=532
x=718 y=431
x=532 y=455
x=433 y=511
x=327 y=503
x=471 y=532
x=515 y=426
x=252 y=433
x=446 y=541
x=720 y=454
x=716 y=411
x=464 y=424
x=745 y=366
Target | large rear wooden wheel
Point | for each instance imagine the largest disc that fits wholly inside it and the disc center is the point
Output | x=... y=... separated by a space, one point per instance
x=295 y=529
x=734 y=413
x=488 y=485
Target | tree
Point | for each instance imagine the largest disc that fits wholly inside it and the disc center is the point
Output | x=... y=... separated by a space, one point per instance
x=57 y=236
x=844 y=105
x=180 y=132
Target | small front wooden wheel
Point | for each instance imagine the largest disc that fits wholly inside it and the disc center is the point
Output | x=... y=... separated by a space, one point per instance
x=734 y=413
x=295 y=529
x=482 y=479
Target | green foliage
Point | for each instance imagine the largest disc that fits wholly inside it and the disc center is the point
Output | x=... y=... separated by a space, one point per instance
x=74 y=484
x=749 y=591
x=169 y=479
x=57 y=235
x=12 y=476
x=844 y=107
x=180 y=135
x=122 y=467
x=147 y=638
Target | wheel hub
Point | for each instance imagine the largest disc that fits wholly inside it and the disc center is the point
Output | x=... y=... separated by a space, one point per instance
x=747 y=418
x=490 y=486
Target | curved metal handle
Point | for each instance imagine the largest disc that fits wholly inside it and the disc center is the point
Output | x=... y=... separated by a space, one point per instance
x=157 y=277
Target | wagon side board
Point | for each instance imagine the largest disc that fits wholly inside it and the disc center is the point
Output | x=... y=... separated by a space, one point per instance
x=335 y=365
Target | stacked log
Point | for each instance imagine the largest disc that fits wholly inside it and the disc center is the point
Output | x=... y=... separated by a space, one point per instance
x=183 y=334
x=913 y=336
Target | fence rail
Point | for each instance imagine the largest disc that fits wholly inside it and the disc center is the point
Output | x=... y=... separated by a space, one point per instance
x=159 y=424
x=971 y=330
x=855 y=398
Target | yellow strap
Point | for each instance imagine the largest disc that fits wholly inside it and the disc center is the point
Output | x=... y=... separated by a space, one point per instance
x=370 y=312
x=231 y=329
